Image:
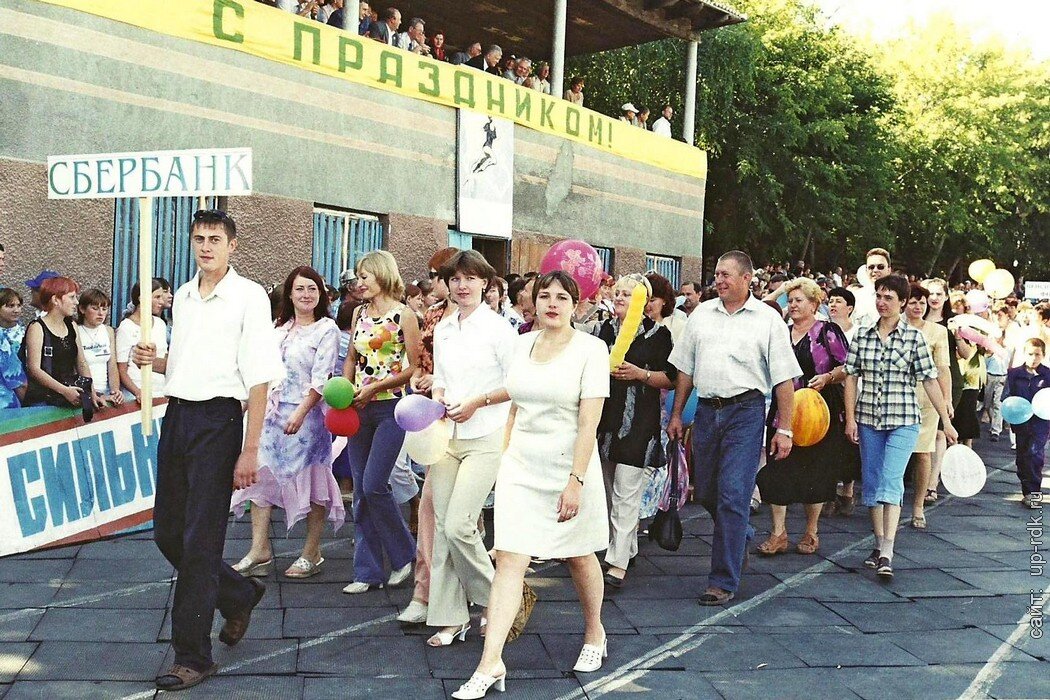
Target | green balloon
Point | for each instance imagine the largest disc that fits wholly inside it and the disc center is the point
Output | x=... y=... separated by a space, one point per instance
x=338 y=392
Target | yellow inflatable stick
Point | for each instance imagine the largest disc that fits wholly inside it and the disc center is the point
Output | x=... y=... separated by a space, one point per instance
x=629 y=327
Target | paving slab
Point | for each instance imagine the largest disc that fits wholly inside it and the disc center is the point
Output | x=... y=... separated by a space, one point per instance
x=907 y=683
x=128 y=571
x=790 y=612
x=660 y=614
x=257 y=657
x=92 y=625
x=363 y=657
x=17 y=625
x=848 y=649
x=372 y=688
x=527 y=656
x=72 y=690
x=771 y=683
x=1018 y=581
x=666 y=685
x=565 y=617
x=16 y=596
x=34 y=570
x=13 y=657
x=102 y=662
x=958 y=647
x=98 y=594
x=839 y=586
x=996 y=610
x=901 y=616
x=1036 y=647
x=732 y=651
x=307 y=623
x=224 y=687
x=526 y=688
x=265 y=624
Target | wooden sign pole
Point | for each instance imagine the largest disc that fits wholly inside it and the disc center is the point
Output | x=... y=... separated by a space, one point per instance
x=146 y=306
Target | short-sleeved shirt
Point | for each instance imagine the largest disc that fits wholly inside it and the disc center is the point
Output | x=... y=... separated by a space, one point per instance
x=431 y=318
x=129 y=334
x=890 y=371
x=729 y=354
x=380 y=347
x=937 y=339
x=224 y=344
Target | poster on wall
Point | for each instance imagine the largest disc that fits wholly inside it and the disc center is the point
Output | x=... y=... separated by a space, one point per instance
x=485 y=174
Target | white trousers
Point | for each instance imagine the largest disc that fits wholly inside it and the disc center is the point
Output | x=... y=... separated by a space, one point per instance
x=624 y=485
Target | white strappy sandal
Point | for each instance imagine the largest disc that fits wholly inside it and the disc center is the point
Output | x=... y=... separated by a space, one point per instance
x=591 y=656
x=444 y=639
x=478 y=686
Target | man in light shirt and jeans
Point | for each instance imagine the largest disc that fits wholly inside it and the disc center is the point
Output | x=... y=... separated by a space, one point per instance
x=735 y=350
x=223 y=353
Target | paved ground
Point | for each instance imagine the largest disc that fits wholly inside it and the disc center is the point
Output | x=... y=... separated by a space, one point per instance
x=92 y=621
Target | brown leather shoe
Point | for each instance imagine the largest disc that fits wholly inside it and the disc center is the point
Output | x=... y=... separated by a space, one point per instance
x=809 y=544
x=715 y=596
x=180 y=677
x=774 y=545
x=236 y=625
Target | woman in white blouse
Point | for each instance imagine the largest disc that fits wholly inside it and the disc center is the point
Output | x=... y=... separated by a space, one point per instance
x=472 y=350
x=129 y=333
x=99 y=343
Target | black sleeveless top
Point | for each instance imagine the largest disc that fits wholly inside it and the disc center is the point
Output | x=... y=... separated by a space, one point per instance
x=58 y=358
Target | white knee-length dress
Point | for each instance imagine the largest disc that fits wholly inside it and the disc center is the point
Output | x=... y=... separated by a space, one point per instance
x=536 y=465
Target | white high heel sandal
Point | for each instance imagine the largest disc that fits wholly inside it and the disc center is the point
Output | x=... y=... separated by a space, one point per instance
x=444 y=639
x=591 y=656
x=478 y=686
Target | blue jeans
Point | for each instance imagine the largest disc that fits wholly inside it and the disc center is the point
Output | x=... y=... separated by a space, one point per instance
x=727 y=447
x=1031 y=446
x=884 y=456
x=378 y=525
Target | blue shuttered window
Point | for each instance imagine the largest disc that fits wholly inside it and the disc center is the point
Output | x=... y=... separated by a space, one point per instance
x=458 y=239
x=172 y=255
x=606 y=254
x=341 y=239
x=671 y=268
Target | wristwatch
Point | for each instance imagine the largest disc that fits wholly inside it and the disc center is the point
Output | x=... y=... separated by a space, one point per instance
x=786 y=432
x=488 y=401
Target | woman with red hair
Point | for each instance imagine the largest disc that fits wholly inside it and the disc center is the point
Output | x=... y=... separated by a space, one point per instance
x=54 y=359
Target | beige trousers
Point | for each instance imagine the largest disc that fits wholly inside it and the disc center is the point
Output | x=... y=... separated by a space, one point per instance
x=461 y=570
x=625 y=485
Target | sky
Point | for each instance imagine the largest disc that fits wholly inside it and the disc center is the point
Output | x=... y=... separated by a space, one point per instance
x=1018 y=22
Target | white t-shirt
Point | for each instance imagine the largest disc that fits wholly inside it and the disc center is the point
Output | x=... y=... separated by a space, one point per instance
x=97 y=351
x=128 y=335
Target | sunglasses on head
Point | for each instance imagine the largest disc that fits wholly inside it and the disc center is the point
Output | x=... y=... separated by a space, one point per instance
x=210 y=215
x=877 y=266
x=433 y=275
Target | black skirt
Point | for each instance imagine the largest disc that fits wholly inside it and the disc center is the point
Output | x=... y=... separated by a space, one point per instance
x=965 y=420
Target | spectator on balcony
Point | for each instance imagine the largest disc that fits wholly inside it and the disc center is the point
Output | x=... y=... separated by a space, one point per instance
x=326 y=8
x=522 y=71
x=662 y=126
x=308 y=8
x=437 y=46
x=364 y=18
x=13 y=378
x=542 y=79
x=488 y=62
x=575 y=92
x=509 y=64
x=643 y=118
x=413 y=39
x=386 y=28
x=461 y=57
x=630 y=114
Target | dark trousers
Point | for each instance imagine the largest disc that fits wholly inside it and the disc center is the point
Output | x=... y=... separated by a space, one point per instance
x=1031 y=447
x=727 y=447
x=198 y=450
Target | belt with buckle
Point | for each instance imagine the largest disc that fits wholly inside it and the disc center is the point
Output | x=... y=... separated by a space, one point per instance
x=719 y=403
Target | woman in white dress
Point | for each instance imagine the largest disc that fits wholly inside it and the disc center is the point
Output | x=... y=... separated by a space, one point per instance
x=550 y=499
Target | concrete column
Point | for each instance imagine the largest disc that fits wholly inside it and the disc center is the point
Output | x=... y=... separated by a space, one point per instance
x=689 y=112
x=558 y=48
x=351 y=15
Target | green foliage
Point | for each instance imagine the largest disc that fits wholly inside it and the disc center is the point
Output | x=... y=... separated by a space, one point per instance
x=823 y=146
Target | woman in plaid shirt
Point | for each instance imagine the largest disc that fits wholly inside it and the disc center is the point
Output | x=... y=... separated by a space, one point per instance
x=891 y=357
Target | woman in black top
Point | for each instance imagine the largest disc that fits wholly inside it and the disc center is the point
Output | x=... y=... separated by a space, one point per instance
x=629 y=436
x=53 y=357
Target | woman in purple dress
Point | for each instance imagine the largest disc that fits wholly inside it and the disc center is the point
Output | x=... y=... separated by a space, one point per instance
x=295 y=452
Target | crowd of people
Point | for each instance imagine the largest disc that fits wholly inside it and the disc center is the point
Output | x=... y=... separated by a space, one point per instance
x=387 y=26
x=563 y=445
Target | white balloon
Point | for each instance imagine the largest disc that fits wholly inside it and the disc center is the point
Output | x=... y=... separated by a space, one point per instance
x=429 y=445
x=963 y=471
x=1041 y=404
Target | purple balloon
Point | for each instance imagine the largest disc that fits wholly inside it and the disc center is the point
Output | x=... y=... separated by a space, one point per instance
x=416 y=412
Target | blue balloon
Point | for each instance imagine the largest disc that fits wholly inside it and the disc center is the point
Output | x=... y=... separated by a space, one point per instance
x=689 y=412
x=1017 y=410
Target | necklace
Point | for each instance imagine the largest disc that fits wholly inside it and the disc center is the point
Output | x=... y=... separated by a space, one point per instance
x=92 y=335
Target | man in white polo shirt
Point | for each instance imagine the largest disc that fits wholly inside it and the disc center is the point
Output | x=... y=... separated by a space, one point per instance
x=223 y=354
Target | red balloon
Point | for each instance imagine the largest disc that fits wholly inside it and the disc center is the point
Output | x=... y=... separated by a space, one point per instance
x=579 y=260
x=342 y=421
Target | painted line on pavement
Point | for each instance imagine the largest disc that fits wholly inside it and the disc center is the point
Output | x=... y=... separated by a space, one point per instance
x=688 y=640
x=982 y=684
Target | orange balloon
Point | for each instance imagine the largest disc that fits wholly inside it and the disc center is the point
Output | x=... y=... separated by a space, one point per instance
x=812 y=418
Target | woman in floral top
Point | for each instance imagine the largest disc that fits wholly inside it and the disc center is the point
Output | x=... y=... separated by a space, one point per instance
x=383 y=349
x=12 y=373
x=295 y=451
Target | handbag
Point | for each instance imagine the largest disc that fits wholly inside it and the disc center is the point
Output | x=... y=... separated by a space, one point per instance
x=528 y=602
x=666 y=528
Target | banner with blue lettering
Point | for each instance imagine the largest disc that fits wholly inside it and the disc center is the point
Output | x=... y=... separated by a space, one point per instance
x=65 y=481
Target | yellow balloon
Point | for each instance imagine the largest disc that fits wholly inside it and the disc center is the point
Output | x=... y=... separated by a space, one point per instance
x=629 y=327
x=979 y=269
x=999 y=284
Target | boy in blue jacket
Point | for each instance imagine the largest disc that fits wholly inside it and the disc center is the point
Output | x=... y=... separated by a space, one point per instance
x=1025 y=381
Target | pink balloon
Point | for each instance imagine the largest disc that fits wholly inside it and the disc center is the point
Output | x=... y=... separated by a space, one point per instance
x=579 y=260
x=978 y=301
